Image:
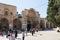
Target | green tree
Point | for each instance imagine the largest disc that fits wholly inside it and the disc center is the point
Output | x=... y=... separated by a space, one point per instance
x=53 y=12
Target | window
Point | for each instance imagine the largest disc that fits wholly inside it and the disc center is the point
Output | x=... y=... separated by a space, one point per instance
x=6 y=13
x=11 y=13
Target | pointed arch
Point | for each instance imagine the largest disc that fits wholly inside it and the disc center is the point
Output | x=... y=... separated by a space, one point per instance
x=4 y=24
x=17 y=24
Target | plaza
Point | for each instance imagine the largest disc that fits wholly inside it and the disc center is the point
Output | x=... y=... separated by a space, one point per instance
x=41 y=35
x=36 y=21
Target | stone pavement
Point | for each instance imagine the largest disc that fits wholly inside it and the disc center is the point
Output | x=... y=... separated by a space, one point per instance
x=41 y=35
x=45 y=35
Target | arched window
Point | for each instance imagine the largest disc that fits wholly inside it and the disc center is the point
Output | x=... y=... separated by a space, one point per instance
x=11 y=13
x=6 y=13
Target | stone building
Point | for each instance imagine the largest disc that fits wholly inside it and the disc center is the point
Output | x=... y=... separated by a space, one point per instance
x=45 y=24
x=8 y=18
x=30 y=19
x=38 y=18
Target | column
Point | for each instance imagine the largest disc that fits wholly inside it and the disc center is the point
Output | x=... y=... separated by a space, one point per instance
x=24 y=24
x=45 y=23
x=10 y=24
x=49 y=25
x=52 y=25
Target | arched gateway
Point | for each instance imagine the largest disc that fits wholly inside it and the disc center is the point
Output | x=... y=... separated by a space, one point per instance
x=17 y=24
x=28 y=25
x=4 y=24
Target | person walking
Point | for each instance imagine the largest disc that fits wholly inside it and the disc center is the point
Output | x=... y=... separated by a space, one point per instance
x=8 y=34
x=16 y=33
x=23 y=35
x=37 y=29
x=11 y=37
x=33 y=31
x=26 y=31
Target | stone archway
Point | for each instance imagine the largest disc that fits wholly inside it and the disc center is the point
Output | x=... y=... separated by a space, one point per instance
x=29 y=25
x=4 y=24
x=17 y=24
x=46 y=25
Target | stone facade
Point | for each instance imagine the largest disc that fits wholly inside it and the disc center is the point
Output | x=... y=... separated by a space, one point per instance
x=38 y=18
x=30 y=16
x=8 y=12
x=45 y=24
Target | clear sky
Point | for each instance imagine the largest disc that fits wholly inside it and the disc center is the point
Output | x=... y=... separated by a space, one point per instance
x=38 y=5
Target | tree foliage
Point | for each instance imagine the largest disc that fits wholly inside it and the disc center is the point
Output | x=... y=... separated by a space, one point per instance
x=53 y=12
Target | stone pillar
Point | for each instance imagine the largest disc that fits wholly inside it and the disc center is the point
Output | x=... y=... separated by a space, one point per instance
x=11 y=24
x=52 y=25
x=45 y=23
x=24 y=24
x=49 y=25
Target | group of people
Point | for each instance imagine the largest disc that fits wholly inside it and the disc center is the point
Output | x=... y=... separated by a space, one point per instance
x=12 y=34
x=33 y=31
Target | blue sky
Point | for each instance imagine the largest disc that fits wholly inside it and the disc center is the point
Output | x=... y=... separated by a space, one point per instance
x=38 y=5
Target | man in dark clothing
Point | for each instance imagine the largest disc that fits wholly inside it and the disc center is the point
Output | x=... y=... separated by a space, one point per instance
x=33 y=31
x=23 y=36
x=16 y=33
